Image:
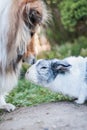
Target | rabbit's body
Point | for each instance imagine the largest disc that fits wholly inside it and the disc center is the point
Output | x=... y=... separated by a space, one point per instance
x=68 y=76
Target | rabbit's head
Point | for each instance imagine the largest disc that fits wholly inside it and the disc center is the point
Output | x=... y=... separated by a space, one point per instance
x=44 y=72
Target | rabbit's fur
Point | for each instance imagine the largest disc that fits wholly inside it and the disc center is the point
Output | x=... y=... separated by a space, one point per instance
x=67 y=76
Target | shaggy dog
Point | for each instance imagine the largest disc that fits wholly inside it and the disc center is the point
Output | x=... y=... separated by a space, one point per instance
x=19 y=19
x=39 y=43
x=67 y=76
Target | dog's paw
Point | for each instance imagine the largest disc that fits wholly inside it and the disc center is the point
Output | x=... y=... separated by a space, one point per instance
x=79 y=102
x=8 y=107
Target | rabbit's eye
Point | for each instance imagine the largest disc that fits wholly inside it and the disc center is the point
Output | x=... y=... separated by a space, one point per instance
x=44 y=67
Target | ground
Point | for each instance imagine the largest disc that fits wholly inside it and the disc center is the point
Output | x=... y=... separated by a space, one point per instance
x=51 y=116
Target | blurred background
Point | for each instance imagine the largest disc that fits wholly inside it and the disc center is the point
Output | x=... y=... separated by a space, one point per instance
x=67 y=31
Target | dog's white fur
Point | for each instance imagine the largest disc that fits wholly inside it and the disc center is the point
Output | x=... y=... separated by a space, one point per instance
x=6 y=81
x=14 y=34
x=73 y=83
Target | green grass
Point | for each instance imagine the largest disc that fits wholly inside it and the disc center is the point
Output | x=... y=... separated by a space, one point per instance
x=28 y=94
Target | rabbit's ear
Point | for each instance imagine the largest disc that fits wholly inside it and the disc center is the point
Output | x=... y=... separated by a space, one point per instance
x=61 y=66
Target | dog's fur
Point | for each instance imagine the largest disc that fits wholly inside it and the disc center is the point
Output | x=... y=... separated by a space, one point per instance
x=19 y=19
x=39 y=43
x=68 y=76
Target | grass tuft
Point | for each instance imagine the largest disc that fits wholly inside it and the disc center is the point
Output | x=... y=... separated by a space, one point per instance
x=28 y=94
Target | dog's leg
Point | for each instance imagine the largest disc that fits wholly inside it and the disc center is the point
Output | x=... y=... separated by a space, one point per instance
x=6 y=106
x=82 y=96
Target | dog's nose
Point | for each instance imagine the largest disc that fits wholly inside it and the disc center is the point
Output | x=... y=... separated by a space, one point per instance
x=33 y=61
x=30 y=60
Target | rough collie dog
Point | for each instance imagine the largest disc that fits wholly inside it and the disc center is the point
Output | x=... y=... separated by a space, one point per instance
x=19 y=19
x=39 y=43
x=67 y=76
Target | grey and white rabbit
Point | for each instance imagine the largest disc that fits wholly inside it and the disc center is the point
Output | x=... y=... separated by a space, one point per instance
x=67 y=76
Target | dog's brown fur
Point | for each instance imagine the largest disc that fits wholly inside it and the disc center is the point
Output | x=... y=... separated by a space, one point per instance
x=24 y=17
x=38 y=44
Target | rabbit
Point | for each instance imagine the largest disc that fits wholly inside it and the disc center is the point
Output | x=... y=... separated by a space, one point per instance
x=67 y=76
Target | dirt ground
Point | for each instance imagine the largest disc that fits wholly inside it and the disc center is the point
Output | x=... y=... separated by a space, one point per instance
x=52 y=116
